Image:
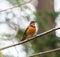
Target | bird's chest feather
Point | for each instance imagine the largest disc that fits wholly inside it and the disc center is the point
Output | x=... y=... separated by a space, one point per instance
x=31 y=30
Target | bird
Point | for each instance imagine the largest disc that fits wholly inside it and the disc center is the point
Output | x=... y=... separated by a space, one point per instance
x=30 y=30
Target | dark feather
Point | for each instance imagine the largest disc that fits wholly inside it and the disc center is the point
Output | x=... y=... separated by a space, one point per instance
x=24 y=35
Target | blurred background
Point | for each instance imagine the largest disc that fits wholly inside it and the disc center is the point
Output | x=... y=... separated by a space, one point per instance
x=15 y=16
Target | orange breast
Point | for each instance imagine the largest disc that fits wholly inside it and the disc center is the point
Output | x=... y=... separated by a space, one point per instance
x=31 y=31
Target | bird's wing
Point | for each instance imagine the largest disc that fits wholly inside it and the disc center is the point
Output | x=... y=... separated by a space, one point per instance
x=24 y=35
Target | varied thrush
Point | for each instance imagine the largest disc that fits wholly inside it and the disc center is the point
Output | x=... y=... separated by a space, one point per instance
x=30 y=31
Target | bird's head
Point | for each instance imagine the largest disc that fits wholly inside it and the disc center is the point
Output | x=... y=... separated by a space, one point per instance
x=32 y=23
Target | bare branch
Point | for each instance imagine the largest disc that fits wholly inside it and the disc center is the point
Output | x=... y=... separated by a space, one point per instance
x=45 y=52
x=15 y=6
x=29 y=39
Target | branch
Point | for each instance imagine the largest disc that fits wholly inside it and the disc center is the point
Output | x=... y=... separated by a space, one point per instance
x=15 y=6
x=29 y=39
x=45 y=52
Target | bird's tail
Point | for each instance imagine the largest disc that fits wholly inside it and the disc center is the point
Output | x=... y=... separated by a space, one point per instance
x=24 y=37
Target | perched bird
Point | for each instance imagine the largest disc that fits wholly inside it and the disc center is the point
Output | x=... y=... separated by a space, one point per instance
x=30 y=31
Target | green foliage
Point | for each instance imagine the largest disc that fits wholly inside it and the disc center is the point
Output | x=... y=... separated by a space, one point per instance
x=16 y=2
x=52 y=14
x=51 y=42
x=57 y=54
x=20 y=33
x=41 y=18
x=1 y=55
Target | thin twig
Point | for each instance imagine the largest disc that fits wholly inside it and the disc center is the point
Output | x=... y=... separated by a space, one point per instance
x=45 y=52
x=39 y=35
x=15 y=6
